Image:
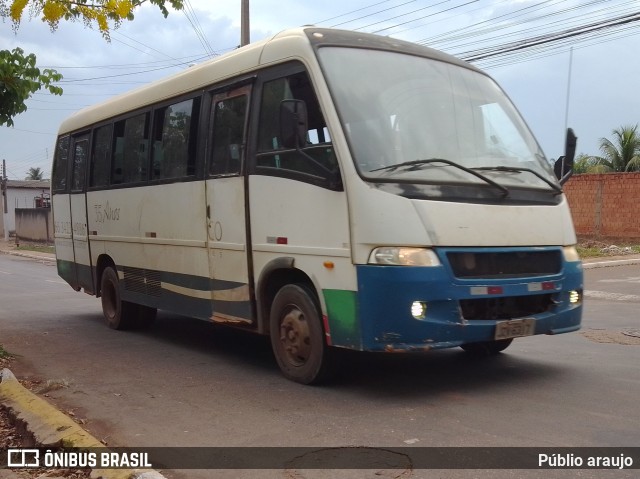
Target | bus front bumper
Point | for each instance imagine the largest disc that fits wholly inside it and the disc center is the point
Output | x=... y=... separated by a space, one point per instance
x=389 y=298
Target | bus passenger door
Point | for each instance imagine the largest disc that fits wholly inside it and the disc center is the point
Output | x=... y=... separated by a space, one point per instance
x=78 y=199
x=226 y=208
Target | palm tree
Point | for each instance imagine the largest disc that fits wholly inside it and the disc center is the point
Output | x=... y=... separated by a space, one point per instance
x=622 y=154
x=34 y=174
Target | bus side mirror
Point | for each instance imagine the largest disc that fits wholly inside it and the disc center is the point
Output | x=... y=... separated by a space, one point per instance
x=563 y=167
x=293 y=123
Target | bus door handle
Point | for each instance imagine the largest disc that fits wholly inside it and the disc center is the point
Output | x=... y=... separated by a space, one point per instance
x=208 y=212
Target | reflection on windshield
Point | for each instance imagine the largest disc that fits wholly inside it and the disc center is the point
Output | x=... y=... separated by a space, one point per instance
x=398 y=108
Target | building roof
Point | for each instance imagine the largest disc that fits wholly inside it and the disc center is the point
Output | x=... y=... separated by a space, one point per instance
x=35 y=184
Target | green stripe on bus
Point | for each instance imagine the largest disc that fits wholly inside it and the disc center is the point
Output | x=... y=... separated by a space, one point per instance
x=343 y=319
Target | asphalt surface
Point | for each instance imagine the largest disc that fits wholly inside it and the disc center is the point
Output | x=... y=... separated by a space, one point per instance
x=47 y=420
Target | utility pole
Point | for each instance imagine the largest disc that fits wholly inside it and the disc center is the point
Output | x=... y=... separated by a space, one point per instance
x=5 y=209
x=244 y=23
x=566 y=111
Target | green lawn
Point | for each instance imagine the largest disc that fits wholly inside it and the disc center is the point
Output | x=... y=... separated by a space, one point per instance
x=36 y=247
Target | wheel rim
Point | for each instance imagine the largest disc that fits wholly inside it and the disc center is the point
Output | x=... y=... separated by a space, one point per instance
x=295 y=337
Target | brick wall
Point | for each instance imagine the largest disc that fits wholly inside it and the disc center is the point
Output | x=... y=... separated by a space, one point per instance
x=605 y=205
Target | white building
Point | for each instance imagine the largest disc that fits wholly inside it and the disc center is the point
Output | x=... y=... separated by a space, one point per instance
x=25 y=194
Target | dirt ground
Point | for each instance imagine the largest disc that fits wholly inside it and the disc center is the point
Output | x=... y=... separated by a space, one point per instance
x=10 y=436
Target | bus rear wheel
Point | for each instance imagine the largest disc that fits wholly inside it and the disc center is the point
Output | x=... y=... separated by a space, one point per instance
x=122 y=314
x=487 y=348
x=297 y=335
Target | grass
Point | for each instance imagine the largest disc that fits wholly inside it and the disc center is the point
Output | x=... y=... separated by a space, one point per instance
x=595 y=249
x=36 y=247
x=4 y=354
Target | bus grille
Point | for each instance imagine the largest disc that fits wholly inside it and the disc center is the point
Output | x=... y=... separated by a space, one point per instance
x=505 y=265
x=509 y=307
x=142 y=281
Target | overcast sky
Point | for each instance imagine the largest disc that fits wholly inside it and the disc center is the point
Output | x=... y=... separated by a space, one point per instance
x=605 y=70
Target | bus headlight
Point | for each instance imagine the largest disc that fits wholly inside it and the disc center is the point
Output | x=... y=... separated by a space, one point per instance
x=570 y=254
x=399 y=256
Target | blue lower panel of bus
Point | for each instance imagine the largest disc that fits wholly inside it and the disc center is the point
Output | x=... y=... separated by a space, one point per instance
x=457 y=311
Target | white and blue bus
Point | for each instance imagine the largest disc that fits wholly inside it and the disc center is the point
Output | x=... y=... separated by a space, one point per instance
x=330 y=189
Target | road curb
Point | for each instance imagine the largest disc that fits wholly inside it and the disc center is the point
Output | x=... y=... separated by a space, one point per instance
x=52 y=428
x=40 y=257
x=609 y=263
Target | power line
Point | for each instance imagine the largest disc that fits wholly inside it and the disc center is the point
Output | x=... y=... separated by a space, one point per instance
x=372 y=14
x=192 y=17
x=403 y=15
x=427 y=16
x=504 y=49
x=352 y=11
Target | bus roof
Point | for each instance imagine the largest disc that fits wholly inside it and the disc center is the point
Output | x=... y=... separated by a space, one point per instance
x=286 y=45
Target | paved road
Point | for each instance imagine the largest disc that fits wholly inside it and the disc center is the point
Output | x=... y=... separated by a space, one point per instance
x=188 y=383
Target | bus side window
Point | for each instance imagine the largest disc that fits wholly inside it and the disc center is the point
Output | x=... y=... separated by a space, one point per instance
x=101 y=157
x=61 y=165
x=174 y=140
x=228 y=135
x=80 y=150
x=271 y=153
x=130 y=150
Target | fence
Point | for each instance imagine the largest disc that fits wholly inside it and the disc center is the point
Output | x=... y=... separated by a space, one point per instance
x=34 y=224
x=605 y=205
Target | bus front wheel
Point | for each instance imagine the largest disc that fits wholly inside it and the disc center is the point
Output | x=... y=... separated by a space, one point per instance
x=297 y=336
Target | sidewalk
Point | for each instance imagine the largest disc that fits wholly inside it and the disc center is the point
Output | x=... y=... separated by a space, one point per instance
x=606 y=261
x=10 y=248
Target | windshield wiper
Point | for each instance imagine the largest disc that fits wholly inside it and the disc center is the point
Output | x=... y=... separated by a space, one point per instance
x=415 y=165
x=515 y=169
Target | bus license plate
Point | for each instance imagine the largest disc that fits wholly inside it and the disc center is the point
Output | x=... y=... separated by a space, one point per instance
x=515 y=328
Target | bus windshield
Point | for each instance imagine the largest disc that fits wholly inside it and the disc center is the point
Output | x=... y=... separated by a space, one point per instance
x=402 y=113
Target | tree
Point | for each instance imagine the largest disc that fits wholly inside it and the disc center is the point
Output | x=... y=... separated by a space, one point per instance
x=583 y=164
x=621 y=154
x=35 y=174
x=19 y=77
x=92 y=12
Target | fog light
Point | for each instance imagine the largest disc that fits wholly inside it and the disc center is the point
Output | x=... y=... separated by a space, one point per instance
x=418 y=309
x=574 y=297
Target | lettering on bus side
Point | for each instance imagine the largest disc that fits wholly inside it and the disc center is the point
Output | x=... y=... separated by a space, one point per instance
x=79 y=228
x=62 y=227
x=106 y=213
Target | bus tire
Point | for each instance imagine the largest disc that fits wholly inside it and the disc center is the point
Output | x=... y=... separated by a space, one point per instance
x=487 y=348
x=297 y=335
x=117 y=313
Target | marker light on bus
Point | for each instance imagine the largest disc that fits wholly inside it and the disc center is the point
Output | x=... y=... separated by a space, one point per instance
x=399 y=256
x=570 y=254
x=575 y=297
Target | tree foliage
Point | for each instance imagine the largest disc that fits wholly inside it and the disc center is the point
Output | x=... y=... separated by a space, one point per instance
x=105 y=14
x=19 y=79
x=620 y=154
x=35 y=174
x=583 y=164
